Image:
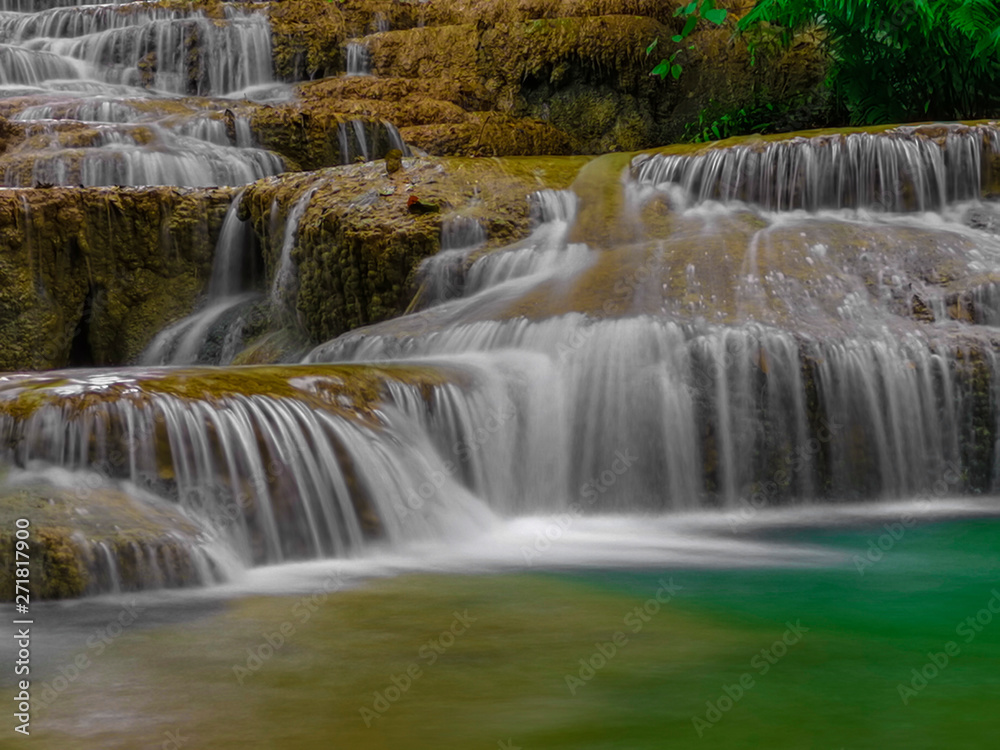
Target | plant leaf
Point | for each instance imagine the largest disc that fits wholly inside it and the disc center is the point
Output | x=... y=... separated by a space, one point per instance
x=716 y=16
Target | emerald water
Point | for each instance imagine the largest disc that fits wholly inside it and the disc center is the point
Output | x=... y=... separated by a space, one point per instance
x=823 y=632
x=503 y=447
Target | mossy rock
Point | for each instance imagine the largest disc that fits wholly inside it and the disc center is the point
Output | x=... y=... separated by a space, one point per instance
x=89 y=275
x=67 y=526
x=577 y=67
x=358 y=245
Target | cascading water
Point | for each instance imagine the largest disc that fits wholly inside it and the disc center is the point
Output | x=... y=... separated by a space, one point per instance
x=122 y=43
x=283 y=287
x=115 y=68
x=449 y=274
x=301 y=471
x=358 y=59
x=443 y=275
x=840 y=394
x=546 y=250
x=212 y=334
x=360 y=140
x=729 y=353
x=904 y=170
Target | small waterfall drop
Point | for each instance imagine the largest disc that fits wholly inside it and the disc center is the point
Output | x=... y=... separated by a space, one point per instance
x=921 y=168
x=284 y=286
x=358 y=59
x=442 y=276
x=207 y=335
x=299 y=472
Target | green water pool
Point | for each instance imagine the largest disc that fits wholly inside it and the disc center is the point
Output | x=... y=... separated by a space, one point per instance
x=794 y=657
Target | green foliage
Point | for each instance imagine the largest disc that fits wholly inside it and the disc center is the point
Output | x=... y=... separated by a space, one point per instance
x=695 y=11
x=743 y=121
x=899 y=60
x=763 y=113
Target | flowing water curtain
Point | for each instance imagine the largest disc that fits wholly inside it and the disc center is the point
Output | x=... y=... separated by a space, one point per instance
x=138 y=45
x=904 y=169
x=95 y=63
x=709 y=414
x=276 y=478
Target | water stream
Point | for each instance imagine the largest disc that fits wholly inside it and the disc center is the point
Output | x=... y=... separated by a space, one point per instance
x=813 y=383
x=795 y=322
x=741 y=363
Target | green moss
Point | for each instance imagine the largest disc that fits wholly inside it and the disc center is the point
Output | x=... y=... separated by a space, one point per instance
x=112 y=266
x=358 y=246
x=306 y=37
x=64 y=527
x=349 y=390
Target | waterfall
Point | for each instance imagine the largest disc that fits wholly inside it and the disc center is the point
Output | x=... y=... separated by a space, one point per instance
x=202 y=336
x=460 y=270
x=854 y=400
x=358 y=59
x=125 y=157
x=111 y=65
x=365 y=140
x=546 y=250
x=30 y=67
x=297 y=473
x=727 y=349
x=283 y=288
x=857 y=418
x=33 y=6
x=442 y=276
x=361 y=135
x=905 y=169
x=395 y=138
x=554 y=205
x=122 y=43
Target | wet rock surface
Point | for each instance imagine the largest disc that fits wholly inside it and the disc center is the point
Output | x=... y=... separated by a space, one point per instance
x=98 y=539
x=88 y=276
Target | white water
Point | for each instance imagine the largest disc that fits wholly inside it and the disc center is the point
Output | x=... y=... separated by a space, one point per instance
x=904 y=172
x=358 y=59
x=108 y=42
x=222 y=314
x=118 y=67
x=630 y=414
x=284 y=287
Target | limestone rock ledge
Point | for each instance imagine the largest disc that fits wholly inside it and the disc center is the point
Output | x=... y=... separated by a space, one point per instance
x=492 y=77
x=92 y=540
x=358 y=245
x=89 y=275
